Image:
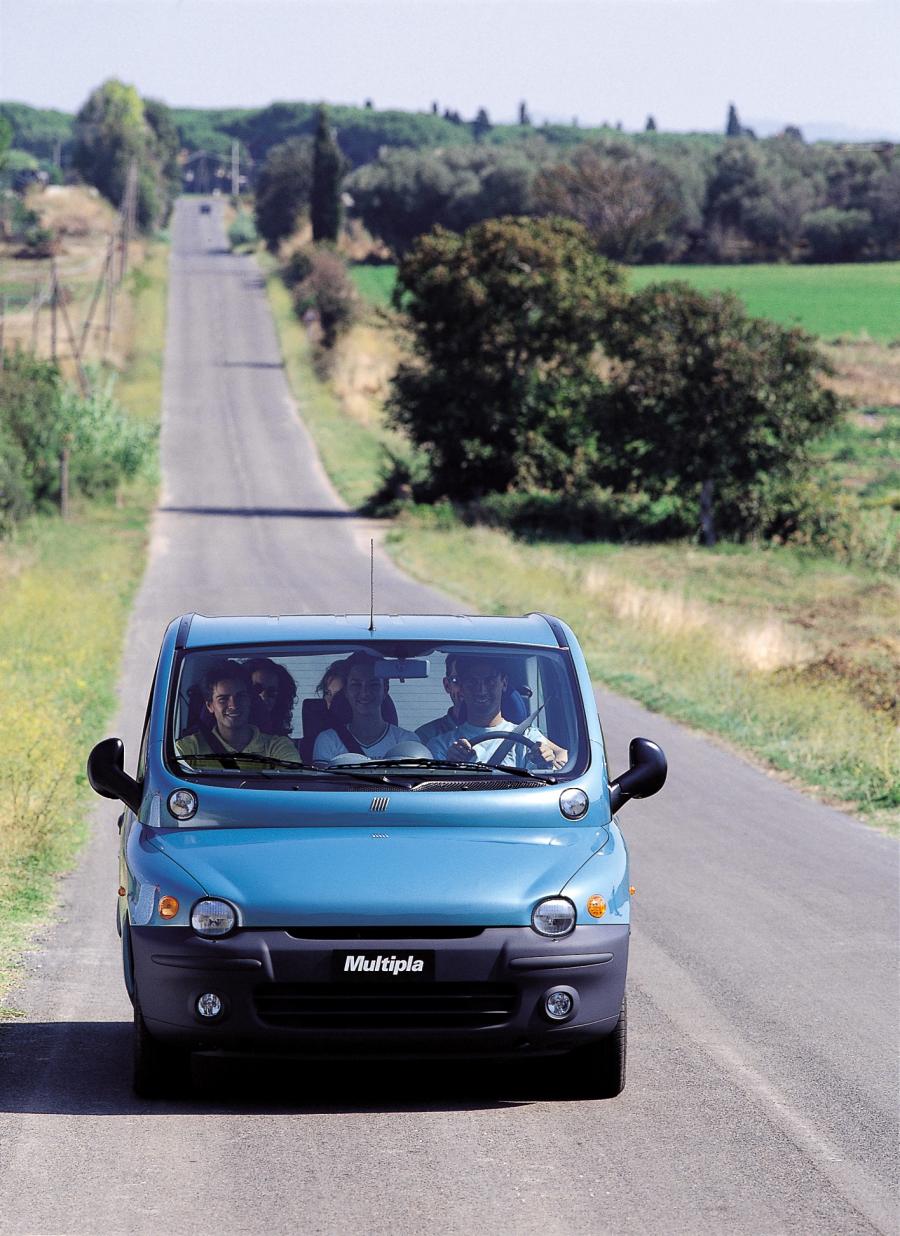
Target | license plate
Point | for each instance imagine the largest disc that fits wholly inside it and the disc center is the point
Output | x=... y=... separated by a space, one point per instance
x=384 y=966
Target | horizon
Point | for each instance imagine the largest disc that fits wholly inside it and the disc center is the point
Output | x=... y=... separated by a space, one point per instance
x=595 y=61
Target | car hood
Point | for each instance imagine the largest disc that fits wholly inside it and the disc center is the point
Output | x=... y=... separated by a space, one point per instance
x=370 y=876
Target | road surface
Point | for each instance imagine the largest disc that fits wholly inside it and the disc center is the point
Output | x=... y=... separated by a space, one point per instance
x=763 y=990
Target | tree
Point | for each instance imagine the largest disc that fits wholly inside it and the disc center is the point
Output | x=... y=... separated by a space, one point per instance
x=112 y=130
x=407 y=192
x=524 y=118
x=481 y=124
x=650 y=126
x=504 y=321
x=733 y=126
x=5 y=139
x=283 y=189
x=626 y=202
x=711 y=404
x=325 y=206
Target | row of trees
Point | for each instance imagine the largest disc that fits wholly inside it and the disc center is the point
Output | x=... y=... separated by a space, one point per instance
x=648 y=197
x=745 y=201
x=703 y=421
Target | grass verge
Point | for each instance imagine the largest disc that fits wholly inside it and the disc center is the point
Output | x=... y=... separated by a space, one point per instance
x=65 y=595
x=789 y=656
x=351 y=451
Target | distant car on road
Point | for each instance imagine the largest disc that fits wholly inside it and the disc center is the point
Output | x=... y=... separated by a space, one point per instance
x=205 y=208
x=360 y=869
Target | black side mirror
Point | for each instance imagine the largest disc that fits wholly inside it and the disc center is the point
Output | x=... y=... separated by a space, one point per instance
x=107 y=775
x=646 y=774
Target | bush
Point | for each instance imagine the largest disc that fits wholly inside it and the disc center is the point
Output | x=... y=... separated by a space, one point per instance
x=242 y=230
x=106 y=445
x=328 y=290
x=39 y=417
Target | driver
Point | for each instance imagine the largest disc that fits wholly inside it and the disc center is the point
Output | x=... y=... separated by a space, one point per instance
x=368 y=734
x=482 y=683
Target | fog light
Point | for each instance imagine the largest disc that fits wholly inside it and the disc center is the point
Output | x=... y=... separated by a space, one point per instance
x=209 y=1005
x=559 y=1004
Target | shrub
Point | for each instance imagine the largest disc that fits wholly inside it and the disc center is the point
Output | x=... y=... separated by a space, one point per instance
x=328 y=289
x=106 y=445
x=242 y=230
x=39 y=416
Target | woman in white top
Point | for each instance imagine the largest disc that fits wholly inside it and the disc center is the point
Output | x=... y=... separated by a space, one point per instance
x=367 y=729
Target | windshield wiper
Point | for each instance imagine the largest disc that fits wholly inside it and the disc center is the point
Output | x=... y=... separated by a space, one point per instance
x=464 y=766
x=236 y=759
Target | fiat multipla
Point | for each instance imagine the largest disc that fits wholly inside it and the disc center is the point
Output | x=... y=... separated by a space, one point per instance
x=374 y=838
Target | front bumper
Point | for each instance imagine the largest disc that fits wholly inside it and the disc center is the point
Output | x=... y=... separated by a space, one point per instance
x=280 y=997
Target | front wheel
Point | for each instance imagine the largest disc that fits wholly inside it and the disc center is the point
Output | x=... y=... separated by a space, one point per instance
x=597 y=1071
x=159 y=1069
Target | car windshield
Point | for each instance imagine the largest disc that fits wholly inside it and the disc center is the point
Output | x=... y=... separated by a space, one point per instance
x=313 y=712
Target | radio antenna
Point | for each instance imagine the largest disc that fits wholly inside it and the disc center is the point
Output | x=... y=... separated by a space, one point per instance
x=372 y=584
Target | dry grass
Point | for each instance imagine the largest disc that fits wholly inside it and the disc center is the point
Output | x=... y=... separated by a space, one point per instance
x=867 y=373
x=83 y=222
x=363 y=363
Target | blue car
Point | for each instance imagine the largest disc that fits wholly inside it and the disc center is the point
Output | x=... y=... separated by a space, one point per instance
x=389 y=837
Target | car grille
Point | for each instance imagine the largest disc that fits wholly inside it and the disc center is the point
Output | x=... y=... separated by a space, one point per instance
x=426 y=1006
x=384 y=933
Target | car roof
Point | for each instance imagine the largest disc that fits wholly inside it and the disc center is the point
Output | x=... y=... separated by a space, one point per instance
x=198 y=631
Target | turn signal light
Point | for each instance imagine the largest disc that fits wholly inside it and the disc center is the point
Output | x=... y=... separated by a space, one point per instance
x=596 y=906
x=121 y=890
x=632 y=889
x=168 y=907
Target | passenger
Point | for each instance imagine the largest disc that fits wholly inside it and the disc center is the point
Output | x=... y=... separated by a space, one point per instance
x=368 y=734
x=332 y=681
x=227 y=691
x=273 y=694
x=482 y=683
x=454 y=714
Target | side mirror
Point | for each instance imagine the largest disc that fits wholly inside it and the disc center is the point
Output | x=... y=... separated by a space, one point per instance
x=646 y=774
x=107 y=775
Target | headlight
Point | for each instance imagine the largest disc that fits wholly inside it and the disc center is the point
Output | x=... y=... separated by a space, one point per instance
x=212 y=917
x=553 y=917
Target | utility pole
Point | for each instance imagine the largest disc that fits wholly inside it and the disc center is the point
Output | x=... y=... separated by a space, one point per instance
x=54 y=295
x=2 y=327
x=235 y=170
x=105 y=274
x=36 y=316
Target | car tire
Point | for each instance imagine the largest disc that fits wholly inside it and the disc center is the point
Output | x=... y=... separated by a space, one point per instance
x=159 y=1070
x=597 y=1071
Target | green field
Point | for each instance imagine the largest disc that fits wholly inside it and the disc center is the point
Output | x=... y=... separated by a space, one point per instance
x=375 y=283
x=858 y=299
x=863 y=298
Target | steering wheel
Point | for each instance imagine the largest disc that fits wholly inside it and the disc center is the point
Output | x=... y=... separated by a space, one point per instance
x=505 y=737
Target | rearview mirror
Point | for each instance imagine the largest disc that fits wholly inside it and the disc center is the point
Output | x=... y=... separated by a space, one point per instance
x=107 y=775
x=645 y=776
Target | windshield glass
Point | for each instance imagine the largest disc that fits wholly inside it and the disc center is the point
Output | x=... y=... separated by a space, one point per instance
x=453 y=711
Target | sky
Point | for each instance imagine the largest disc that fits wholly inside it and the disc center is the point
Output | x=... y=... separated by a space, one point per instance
x=830 y=66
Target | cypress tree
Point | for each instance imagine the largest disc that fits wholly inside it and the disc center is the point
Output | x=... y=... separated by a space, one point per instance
x=328 y=169
x=733 y=125
x=650 y=126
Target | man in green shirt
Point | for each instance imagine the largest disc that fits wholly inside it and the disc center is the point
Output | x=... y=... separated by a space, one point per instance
x=227 y=696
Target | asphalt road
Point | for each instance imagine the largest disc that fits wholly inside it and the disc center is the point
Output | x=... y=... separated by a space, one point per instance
x=763 y=989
